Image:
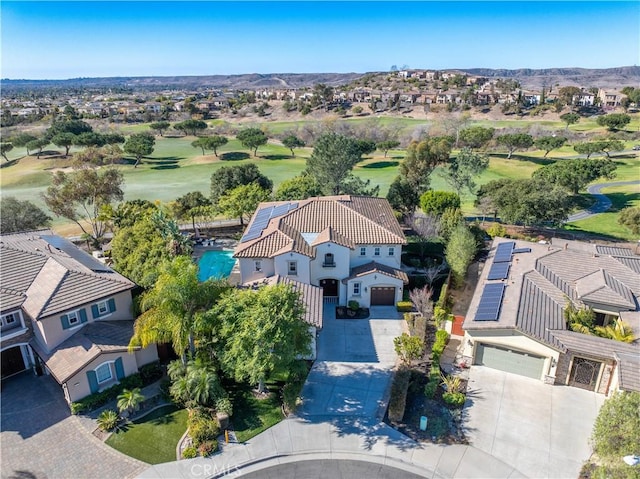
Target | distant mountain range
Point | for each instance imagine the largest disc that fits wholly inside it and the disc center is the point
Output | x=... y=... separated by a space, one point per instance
x=528 y=78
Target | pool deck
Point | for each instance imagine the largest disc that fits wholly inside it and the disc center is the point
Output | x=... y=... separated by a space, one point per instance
x=222 y=244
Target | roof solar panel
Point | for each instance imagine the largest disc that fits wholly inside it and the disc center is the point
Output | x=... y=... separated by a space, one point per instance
x=490 y=302
x=503 y=252
x=499 y=271
x=521 y=250
x=77 y=254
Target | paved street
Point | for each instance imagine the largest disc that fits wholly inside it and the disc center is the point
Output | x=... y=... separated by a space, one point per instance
x=602 y=203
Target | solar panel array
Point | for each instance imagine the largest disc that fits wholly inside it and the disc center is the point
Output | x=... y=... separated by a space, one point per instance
x=262 y=218
x=499 y=271
x=77 y=254
x=503 y=252
x=490 y=302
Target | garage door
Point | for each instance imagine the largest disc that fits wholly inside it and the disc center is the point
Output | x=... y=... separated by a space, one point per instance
x=383 y=296
x=510 y=360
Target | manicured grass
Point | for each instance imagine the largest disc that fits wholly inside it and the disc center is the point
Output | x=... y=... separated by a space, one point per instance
x=152 y=439
x=251 y=415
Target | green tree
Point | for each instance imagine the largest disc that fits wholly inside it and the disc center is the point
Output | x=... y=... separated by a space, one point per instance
x=113 y=138
x=570 y=119
x=64 y=140
x=299 y=187
x=408 y=348
x=566 y=94
x=4 y=149
x=588 y=148
x=435 y=202
x=139 y=145
x=130 y=212
x=242 y=201
x=16 y=216
x=617 y=330
x=461 y=169
x=402 y=196
x=195 y=383
x=515 y=141
x=191 y=127
x=476 y=137
x=22 y=140
x=575 y=175
x=460 y=250
x=614 y=121
x=332 y=161
x=580 y=320
x=422 y=158
x=449 y=221
x=81 y=196
x=549 y=143
x=74 y=126
x=129 y=400
x=611 y=145
x=291 y=142
x=38 y=144
x=630 y=217
x=323 y=94
x=263 y=332
x=227 y=178
x=88 y=139
x=387 y=145
x=215 y=142
x=366 y=147
x=172 y=309
x=160 y=126
x=191 y=205
x=252 y=138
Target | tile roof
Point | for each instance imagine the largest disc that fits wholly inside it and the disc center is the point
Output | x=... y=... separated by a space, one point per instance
x=593 y=345
x=10 y=299
x=601 y=287
x=373 y=267
x=628 y=371
x=53 y=278
x=84 y=346
x=350 y=220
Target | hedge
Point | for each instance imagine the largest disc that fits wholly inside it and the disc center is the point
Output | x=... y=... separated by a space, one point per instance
x=398 y=399
x=404 y=306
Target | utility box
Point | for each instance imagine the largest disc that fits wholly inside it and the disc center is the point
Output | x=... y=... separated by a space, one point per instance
x=423 y=423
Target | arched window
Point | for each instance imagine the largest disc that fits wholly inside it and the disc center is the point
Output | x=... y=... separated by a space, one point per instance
x=328 y=260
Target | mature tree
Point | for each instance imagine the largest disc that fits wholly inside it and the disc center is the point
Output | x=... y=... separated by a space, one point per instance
x=422 y=300
x=460 y=250
x=172 y=309
x=387 y=145
x=476 y=136
x=461 y=169
x=549 y=143
x=242 y=201
x=191 y=205
x=64 y=140
x=323 y=94
x=575 y=175
x=426 y=227
x=614 y=121
x=22 y=140
x=570 y=119
x=38 y=144
x=191 y=127
x=16 y=215
x=210 y=143
x=75 y=127
x=354 y=185
x=630 y=217
x=402 y=196
x=566 y=94
x=291 y=142
x=262 y=331
x=435 y=202
x=366 y=147
x=113 y=138
x=4 y=149
x=422 y=158
x=160 y=126
x=196 y=383
x=81 y=196
x=199 y=143
x=332 y=160
x=299 y=187
x=588 y=148
x=611 y=145
x=128 y=213
x=252 y=138
x=139 y=145
x=515 y=141
x=449 y=221
x=227 y=178
x=88 y=139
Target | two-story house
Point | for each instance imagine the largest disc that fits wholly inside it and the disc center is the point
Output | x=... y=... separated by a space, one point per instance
x=66 y=314
x=349 y=246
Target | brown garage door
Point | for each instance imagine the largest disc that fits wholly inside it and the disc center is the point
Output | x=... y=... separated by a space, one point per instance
x=383 y=296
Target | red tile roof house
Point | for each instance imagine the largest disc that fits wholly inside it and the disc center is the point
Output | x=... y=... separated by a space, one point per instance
x=515 y=321
x=65 y=313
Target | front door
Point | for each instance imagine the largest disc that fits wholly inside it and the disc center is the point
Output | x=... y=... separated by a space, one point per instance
x=584 y=373
x=329 y=287
x=12 y=361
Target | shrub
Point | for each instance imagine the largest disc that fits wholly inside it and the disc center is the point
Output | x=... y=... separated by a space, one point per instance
x=451 y=383
x=408 y=347
x=189 y=452
x=207 y=447
x=150 y=373
x=441 y=342
x=430 y=389
x=453 y=399
x=398 y=399
x=224 y=405
x=353 y=305
x=404 y=306
x=108 y=420
x=616 y=431
x=202 y=426
x=291 y=396
x=96 y=400
x=440 y=315
x=496 y=229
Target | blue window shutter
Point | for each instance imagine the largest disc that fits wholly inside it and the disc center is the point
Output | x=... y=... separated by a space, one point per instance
x=93 y=381
x=119 y=369
x=94 y=311
x=83 y=316
x=65 y=321
x=112 y=305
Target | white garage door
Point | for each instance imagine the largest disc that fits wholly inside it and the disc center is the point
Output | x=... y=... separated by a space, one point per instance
x=510 y=360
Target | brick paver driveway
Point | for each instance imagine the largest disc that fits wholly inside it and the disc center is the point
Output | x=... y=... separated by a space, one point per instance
x=40 y=439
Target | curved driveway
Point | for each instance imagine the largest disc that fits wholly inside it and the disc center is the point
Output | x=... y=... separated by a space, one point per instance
x=602 y=203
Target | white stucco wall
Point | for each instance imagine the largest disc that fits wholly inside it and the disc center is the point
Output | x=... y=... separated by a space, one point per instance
x=394 y=261
x=248 y=269
x=281 y=263
x=146 y=355
x=341 y=256
x=367 y=282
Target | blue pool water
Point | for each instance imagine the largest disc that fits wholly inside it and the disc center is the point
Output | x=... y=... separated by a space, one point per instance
x=215 y=264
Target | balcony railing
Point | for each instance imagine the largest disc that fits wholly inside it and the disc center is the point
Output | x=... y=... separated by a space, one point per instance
x=329 y=265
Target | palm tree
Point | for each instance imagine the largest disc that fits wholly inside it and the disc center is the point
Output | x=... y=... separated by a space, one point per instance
x=195 y=384
x=618 y=331
x=174 y=306
x=129 y=400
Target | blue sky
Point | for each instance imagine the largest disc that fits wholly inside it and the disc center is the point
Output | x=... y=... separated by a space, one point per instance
x=86 y=39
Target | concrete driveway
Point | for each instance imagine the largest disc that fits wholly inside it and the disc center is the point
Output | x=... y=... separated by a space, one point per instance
x=541 y=430
x=353 y=370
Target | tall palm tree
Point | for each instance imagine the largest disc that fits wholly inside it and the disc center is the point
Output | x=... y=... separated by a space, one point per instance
x=618 y=330
x=129 y=400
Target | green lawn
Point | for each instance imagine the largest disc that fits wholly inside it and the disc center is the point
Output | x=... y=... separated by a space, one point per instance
x=152 y=439
x=251 y=416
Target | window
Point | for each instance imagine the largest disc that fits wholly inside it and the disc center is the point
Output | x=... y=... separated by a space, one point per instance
x=356 y=289
x=103 y=308
x=292 y=268
x=73 y=318
x=258 y=265
x=392 y=251
x=103 y=373
x=328 y=261
x=376 y=251
x=9 y=318
x=363 y=251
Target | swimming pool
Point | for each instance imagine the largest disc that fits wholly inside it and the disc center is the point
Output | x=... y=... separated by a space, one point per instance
x=215 y=264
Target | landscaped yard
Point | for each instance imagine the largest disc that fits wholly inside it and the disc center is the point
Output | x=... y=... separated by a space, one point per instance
x=252 y=415
x=154 y=437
